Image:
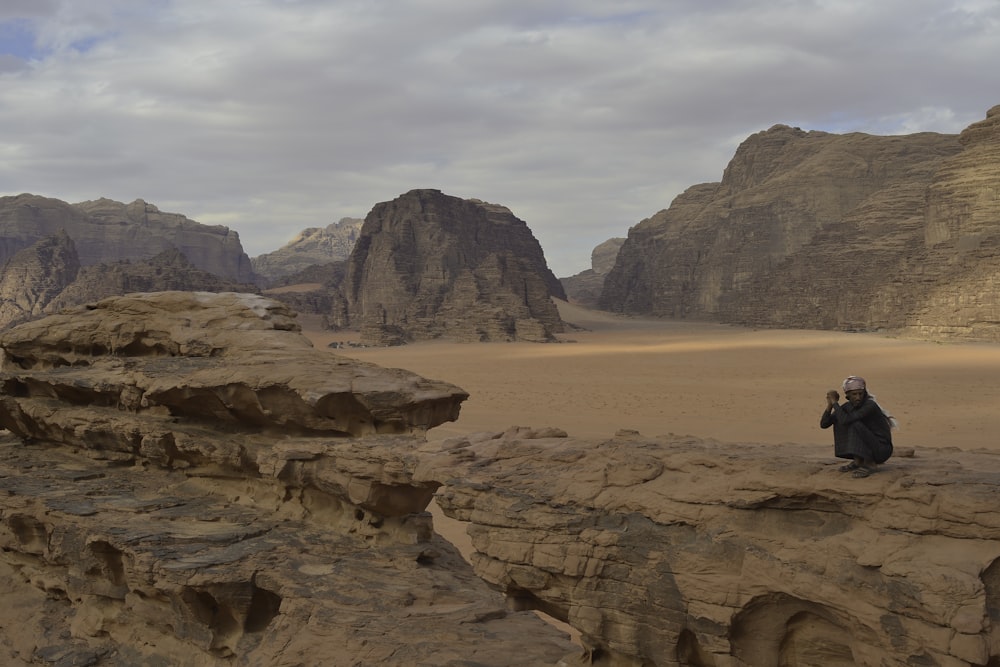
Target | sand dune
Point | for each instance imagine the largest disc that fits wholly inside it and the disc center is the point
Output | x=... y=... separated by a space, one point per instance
x=708 y=380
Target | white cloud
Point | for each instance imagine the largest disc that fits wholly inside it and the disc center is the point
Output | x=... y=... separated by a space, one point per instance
x=583 y=117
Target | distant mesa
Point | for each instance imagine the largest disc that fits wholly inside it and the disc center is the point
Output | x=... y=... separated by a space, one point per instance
x=108 y=231
x=825 y=231
x=584 y=289
x=314 y=246
x=431 y=266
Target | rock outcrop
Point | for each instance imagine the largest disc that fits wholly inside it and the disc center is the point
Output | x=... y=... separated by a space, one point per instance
x=167 y=272
x=585 y=288
x=188 y=481
x=428 y=265
x=673 y=551
x=815 y=230
x=35 y=276
x=312 y=246
x=108 y=231
x=192 y=483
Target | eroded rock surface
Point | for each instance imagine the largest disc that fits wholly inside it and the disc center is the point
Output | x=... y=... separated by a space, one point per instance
x=311 y=247
x=187 y=481
x=824 y=231
x=104 y=230
x=428 y=265
x=675 y=551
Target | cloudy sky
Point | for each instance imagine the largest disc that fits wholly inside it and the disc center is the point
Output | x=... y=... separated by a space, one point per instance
x=582 y=116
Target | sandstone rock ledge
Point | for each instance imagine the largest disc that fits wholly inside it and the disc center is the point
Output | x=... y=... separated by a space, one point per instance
x=188 y=482
x=675 y=551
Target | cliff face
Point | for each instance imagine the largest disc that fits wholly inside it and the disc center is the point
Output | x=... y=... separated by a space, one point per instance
x=189 y=482
x=168 y=271
x=313 y=246
x=35 y=276
x=585 y=287
x=814 y=230
x=428 y=265
x=110 y=231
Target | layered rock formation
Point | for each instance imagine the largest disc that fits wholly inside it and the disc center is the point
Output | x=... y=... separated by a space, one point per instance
x=189 y=482
x=673 y=551
x=428 y=265
x=47 y=277
x=166 y=272
x=311 y=247
x=110 y=231
x=35 y=276
x=585 y=287
x=192 y=483
x=815 y=230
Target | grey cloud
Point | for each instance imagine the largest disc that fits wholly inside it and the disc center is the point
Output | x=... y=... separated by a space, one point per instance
x=584 y=117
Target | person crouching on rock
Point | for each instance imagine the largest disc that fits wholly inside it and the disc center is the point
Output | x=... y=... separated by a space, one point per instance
x=862 y=431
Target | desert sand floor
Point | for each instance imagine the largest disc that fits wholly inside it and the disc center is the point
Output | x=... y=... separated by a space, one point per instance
x=712 y=381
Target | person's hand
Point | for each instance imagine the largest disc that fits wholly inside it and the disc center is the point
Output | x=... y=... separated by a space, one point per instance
x=832 y=398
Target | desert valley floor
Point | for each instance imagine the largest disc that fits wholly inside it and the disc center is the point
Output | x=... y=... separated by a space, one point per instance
x=707 y=380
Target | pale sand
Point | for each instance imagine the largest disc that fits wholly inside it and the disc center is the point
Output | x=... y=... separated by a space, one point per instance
x=712 y=381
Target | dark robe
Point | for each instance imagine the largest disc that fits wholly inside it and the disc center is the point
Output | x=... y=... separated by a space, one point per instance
x=840 y=446
x=869 y=433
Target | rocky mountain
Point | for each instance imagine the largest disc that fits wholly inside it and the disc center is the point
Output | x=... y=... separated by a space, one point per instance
x=428 y=265
x=108 y=231
x=817 y=230
x=168 y=271
x=35 y=276
x=47 y=277
x=585 y=287
x=188 y=481
x=312 y=246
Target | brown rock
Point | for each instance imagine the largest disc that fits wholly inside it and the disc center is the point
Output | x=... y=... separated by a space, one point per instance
x=311 y=247
x=585 y=287
x=166 y=272
x=668 y=550
x=110 y=231
x=184 y=486
x=36 y=276
x=814 y=230
x=428 y=266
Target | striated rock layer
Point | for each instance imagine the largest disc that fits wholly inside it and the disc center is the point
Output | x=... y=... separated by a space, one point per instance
x=428 y=265
x=585 y=287
x=311 y=247
x=816 y=230
x=108 y=231
x=673 y=551
x=191 y=483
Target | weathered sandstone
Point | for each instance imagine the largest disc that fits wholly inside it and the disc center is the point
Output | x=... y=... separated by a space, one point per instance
x=676 y=551
x=816 y=230
x=190 y=482
x=311 y=247
x=36 y=276
x=428 y=265
x=108 y=231
x=585 y=287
